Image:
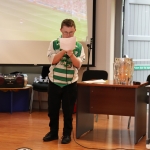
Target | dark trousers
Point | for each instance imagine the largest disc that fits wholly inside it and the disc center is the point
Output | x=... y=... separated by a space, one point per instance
x=67 y=96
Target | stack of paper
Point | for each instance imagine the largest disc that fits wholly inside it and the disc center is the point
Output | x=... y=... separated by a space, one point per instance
x=67 y=43
x=95 y=81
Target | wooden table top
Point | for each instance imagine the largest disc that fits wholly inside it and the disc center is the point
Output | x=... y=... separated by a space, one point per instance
x=109 y=83
x=19 y=88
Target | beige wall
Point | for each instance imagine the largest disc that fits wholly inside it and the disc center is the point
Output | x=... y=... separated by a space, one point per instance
x=105 y=23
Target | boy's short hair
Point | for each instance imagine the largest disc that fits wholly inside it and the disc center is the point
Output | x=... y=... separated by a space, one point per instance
x=68 y=23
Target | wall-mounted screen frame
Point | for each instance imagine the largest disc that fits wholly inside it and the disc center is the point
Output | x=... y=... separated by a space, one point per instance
x=28 y=26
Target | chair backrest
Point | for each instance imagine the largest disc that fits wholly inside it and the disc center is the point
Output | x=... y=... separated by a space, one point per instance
x=45 y=71
x=148 y=79
x=42 y=86
x=94 y=74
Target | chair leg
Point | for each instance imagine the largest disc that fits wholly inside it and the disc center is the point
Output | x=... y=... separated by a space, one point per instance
x=96 y=118
x=129 y=122
x=39 y=99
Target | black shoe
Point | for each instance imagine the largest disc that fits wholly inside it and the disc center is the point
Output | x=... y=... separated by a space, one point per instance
x=50 y=137
x=66 y=139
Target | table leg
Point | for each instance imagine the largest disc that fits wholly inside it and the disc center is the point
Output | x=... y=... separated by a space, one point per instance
x=11 y=102
x=31 y=100
x=140 y=114
x=84 y=120
x=148 y=128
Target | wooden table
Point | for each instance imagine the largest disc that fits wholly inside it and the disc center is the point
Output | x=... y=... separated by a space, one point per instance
x=112 y=99
x=15 y=90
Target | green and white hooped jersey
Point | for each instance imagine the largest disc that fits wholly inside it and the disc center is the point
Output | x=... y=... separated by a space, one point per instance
x=64 y=73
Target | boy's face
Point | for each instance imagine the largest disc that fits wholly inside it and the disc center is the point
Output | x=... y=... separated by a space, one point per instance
x=67 y=32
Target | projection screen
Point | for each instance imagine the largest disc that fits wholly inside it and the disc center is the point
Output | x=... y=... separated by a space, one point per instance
x=28 y=26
